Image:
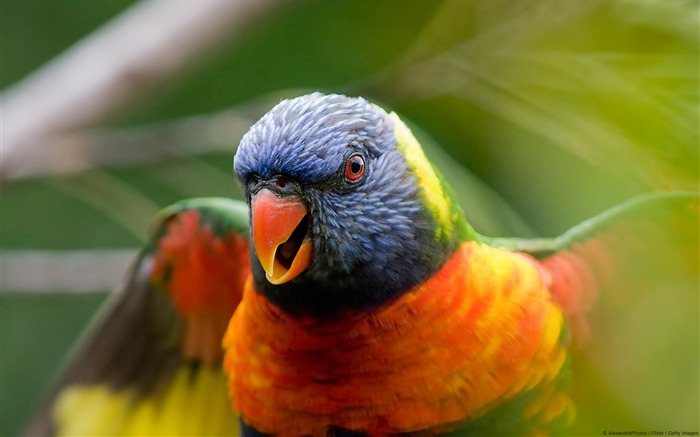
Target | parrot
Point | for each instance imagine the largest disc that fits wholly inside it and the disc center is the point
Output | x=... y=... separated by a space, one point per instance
x=347 y=296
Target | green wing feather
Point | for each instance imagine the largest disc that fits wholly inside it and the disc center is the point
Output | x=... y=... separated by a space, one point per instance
x=659 y=208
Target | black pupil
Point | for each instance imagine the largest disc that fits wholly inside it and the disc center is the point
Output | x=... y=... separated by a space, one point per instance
x=356 y=165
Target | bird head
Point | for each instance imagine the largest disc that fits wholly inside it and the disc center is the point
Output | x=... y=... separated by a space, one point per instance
x=346 y=211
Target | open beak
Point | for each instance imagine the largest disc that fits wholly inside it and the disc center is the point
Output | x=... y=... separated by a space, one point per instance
x=280 y=227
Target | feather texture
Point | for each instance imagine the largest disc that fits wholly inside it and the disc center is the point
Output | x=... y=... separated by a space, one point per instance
x=480 y=333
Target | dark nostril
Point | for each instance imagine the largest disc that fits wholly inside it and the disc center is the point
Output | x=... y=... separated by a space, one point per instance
x=253 y=183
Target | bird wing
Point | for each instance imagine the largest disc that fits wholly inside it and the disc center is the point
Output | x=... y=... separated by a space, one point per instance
x=151 y=361
x=655 y=232
x=628 y=281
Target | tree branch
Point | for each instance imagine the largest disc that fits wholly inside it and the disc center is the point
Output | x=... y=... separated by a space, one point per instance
x=115 y=66
x=83 y=150
x=78 y=271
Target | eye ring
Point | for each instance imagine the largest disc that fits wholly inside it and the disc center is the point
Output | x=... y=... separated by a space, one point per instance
x=355 y=167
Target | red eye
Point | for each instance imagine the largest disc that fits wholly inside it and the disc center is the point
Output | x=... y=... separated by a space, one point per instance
x=355 y=167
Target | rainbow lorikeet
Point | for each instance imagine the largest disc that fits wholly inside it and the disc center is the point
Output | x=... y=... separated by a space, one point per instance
x=365 y=305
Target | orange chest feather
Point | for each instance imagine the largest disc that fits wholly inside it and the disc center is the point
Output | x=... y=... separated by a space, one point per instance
x=482 y=330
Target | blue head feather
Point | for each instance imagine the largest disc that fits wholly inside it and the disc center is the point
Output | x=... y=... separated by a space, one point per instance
x=372 y=238
x=307 y=137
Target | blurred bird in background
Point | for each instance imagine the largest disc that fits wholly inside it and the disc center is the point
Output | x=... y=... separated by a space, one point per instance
x=545 y=114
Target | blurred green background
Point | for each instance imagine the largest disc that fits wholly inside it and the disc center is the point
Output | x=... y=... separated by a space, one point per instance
x=541 y=113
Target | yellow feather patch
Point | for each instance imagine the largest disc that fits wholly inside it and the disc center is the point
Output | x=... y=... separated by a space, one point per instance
x=429 y=182
x=191 y=405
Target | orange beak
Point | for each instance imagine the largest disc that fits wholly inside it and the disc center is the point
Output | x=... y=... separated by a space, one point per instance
x=280 y=236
